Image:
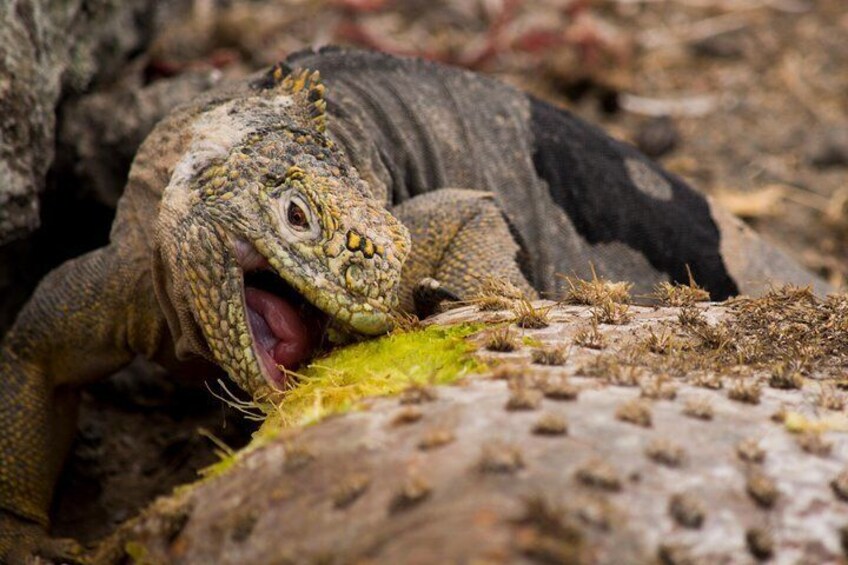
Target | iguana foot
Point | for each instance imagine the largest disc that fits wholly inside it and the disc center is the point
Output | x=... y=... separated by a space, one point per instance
x=473 y=242
x=429 y=295
x=22 y=541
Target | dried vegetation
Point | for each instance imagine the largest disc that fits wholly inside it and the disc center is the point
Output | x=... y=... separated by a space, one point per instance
x=497 y=294
x=591 y=337
x=502 y=339
x=530 y=317
x=670 y=294
x=779 y=337
x=595 y=292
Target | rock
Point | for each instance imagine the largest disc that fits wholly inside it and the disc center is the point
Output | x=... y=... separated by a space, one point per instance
x=657 y=137
x=97 y=144
x=828 y=147
x=49 y=50
x=58 y=51
x=499 y=491
x=730 y=45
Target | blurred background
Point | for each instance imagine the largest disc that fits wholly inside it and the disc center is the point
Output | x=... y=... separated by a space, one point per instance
x=745 y=99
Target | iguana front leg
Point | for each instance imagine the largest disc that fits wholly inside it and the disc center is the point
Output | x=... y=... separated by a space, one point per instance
x=79 y=325
x=459 y=238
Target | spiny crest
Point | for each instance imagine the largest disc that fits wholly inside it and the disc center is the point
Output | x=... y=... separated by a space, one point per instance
x=303 y=83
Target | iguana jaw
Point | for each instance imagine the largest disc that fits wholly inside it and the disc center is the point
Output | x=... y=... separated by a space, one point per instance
x=287 y=327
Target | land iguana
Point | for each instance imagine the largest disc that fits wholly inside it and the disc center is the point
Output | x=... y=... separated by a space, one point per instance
x=314 y=202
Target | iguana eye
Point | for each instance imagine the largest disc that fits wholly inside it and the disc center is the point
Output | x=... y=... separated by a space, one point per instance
x=298 y=221
x=297 y=217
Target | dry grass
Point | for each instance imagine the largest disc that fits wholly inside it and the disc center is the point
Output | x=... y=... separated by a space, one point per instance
x=779 y=416
x=350 y=489
x=699 y=408
x=613 y=313
x=815 y=443
x=559 y=389
x=552 y=356
x=530 y=317
x=417 y=393
x=830 y=399
x=497 y=457
x=595 y=291
x=407 y=415
x=760 y=543
x=502 y=340
x=761 y=488
x=436 y=437
x=786 y=376
x=790 y=325
x=687 y=510
x=612 y=370
x=509 y=372
x=670 y=294
x=785 y=332
x=666 y=453
x=839 y=485
x=550 y=425
x=627 y=375
x=690 y=317
x=496 y=294
x=591 y=337
x=658 y=388
x=406 y=322
x=414 y=490
x=523 y=397
x=548 y=534
x=749 y=450
x=636 y=412
x=679 y=295
x=662 y=343
x=599 y=474
x=710 y=381
x=745 y=391
x=709 y=336
x=602 y=367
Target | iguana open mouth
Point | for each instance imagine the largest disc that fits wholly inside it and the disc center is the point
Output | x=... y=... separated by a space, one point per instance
x=286 y=330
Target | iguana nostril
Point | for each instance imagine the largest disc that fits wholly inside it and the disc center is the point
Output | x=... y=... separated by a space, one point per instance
x=368 y=249
x=354 y=240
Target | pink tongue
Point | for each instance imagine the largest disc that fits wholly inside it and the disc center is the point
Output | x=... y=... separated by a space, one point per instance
x=278 y=329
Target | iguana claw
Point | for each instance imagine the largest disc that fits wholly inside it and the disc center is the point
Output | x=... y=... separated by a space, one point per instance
x=429 y=295
x=22 y=541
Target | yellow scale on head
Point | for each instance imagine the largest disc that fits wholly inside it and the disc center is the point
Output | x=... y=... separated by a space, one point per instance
x=368 y=248
x=354 y=240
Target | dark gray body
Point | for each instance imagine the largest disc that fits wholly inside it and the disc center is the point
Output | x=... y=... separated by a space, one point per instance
x=411 y=127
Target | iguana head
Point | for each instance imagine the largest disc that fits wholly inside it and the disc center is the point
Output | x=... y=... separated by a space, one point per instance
x=279 y=242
